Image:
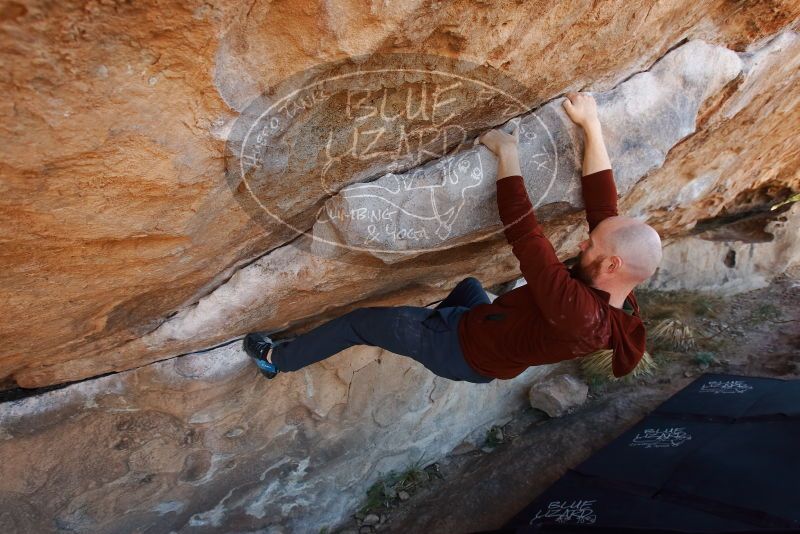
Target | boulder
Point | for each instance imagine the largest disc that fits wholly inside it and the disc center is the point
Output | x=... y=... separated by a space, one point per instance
x=558 y=395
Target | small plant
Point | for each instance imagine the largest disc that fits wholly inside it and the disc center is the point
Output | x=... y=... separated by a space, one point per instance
x=681 y=305
x=673 y=334
x=596 y=381
x=432 y=470
x=385 y=492
x=494 y=437
x=704 y=359
x=703 y=306
x=379 y=494
x=413 y=477
x=790 y=200
x=597 y=367
x=764 y=312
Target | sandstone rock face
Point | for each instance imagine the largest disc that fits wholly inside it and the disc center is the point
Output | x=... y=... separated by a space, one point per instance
x=203 y=443
x=138 y=228
x=677 y=84
x=453 y=198
x=117 y=210
x=726 y=265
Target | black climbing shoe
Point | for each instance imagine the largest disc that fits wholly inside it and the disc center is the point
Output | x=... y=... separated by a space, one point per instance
x=256 y=345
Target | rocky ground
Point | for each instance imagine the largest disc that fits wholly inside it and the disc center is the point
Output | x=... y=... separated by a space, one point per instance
x=474 y=489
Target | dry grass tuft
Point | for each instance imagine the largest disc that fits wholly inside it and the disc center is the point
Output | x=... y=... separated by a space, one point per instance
x=598 y=364
x=673 y=334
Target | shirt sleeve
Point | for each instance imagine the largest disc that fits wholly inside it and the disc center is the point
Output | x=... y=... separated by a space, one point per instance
x=599 y=196
x=563 y=301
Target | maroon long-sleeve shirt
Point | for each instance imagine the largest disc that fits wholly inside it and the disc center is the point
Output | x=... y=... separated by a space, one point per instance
x=554 y=317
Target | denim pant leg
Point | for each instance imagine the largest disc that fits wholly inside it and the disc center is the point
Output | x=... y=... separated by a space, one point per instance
x=388 y=327
x=412 y=331
x=443 y=348
x=468 y=293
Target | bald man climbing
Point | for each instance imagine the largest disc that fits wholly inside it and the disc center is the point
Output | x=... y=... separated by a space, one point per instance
x=559 y=314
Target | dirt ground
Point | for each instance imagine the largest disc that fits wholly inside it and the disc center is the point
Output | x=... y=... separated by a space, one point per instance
x=475 y=489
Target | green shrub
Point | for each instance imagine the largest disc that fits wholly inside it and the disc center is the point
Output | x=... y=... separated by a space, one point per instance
x=493 y=437
x=704 y=358
x=384 y=492
x=764 y=312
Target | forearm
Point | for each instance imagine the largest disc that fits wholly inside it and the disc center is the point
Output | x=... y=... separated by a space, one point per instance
x=508 y=162
x=595 y=156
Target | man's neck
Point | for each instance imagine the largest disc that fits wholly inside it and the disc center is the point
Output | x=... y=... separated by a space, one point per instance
x=617 y=295
x=617 y=300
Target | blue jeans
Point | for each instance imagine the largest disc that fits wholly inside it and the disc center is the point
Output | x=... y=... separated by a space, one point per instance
x=430 y=336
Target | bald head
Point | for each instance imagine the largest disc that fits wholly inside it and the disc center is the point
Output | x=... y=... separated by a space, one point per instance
x=636 y=243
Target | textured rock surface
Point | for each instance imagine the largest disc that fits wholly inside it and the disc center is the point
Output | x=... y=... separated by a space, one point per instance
x=452 y=199
x=115 y=209
x=557 y=395
x=203 y=443
x=123 y=242
x=264 y=294
x=728 y=265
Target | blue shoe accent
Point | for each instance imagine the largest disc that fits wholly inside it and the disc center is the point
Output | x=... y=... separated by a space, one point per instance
x=264 y=365
x=256 y=345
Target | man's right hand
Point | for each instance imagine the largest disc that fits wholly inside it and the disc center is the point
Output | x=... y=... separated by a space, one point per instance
x=581 y=108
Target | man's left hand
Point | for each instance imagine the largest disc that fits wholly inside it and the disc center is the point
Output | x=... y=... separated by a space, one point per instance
x=498 y=140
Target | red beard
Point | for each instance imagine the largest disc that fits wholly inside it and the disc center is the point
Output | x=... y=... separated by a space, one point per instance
x=588 y=273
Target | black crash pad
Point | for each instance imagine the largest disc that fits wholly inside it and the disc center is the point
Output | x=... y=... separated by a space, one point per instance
x=721 y=455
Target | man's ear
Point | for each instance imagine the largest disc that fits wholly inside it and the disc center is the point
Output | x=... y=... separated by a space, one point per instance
x=614 y=265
